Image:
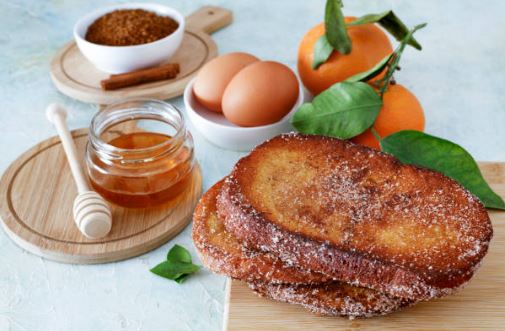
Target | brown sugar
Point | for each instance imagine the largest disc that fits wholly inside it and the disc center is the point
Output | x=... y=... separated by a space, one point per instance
x=128 y=27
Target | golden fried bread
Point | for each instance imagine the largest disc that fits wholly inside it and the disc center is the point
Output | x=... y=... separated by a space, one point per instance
x=222 y=253
x=332 y=299
x=357 y=215
x=268 y=276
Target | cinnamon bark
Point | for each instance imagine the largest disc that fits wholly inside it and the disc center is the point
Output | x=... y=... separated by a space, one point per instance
x=166 y=71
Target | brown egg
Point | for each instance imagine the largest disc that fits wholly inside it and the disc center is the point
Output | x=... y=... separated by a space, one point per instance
x=213 y=78
x=260 y=94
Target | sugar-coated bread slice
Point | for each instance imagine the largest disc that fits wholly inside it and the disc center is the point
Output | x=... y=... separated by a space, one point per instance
x=333 y=299
x=356 y=214
x=222 y=253
x=268 y=276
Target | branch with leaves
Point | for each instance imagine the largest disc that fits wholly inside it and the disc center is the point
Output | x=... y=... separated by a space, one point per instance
x=337 y=39
x=349 y=108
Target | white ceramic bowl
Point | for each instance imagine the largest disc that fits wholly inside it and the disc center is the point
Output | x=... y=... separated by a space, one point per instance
x=119 y=59
x=219 y=131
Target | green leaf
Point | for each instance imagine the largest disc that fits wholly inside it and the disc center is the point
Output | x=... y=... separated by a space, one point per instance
x=395 y=60
x=322 y=51
x=369 y=18
x=415 y=147
x=179 y=254
x=336 y=31
x=389 y=21
x=174 y=270
x=344 y=111
x=376 y=70
x=181 y=278
x=178 y=265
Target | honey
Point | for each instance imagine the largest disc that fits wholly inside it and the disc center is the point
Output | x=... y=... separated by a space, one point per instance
x=134 y=167
x=136 y=189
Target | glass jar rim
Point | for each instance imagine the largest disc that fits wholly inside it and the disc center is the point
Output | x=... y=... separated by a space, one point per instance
x=115 y=113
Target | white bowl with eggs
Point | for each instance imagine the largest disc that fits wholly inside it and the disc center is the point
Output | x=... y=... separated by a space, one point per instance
x=222 y=133
x=120 y=59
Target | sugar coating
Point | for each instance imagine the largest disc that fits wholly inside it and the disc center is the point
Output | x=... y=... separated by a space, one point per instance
x=332 y=299
x=407 y=231
x=224 y=254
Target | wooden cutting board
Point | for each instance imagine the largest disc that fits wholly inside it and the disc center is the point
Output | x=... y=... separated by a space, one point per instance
x=78 y=78
x=481 y=305
x=36 y=197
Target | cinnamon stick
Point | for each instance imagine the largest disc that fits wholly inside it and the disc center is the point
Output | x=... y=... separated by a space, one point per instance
x=166 y=71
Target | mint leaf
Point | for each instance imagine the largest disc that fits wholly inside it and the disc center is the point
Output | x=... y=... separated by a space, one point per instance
x=178 y=265
x=415 y=147
x=181 y=278
x=173 y=270
x=343 y=111
x=179 y=254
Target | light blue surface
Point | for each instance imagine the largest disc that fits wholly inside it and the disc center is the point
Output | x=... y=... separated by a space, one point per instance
x=458 y=77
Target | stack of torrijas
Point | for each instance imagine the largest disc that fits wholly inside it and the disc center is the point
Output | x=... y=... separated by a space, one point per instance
x=339 y=228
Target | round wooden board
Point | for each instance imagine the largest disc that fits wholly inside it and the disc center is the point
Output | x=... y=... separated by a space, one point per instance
x=78 y=78
x=36 y=196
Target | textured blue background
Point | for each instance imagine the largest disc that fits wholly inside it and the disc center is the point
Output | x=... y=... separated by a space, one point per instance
x=458 y=77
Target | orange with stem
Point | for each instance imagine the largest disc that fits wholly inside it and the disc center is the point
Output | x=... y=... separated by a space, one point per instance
x=369 y=45
x=400 y=111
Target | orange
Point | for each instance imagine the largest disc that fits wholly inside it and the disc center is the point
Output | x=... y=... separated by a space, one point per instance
x=401 y=111
x=369 y=45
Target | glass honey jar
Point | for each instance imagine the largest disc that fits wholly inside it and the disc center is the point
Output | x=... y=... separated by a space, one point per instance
x=139 y=153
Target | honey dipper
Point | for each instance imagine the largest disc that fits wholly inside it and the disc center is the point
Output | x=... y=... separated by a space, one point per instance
x=91 y=213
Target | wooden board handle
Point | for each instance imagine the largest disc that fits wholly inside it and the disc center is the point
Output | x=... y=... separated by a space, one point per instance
x=209 y=19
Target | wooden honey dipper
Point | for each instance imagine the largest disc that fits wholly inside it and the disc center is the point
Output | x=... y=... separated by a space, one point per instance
x=91 y=213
